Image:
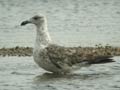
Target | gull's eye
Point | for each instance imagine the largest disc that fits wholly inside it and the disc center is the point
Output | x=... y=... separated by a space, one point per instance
x=36 y=18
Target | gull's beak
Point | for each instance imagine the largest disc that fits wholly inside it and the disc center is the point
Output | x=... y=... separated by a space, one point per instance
x=25 y=22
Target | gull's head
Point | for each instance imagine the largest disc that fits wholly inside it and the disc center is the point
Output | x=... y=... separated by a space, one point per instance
x=36 y=20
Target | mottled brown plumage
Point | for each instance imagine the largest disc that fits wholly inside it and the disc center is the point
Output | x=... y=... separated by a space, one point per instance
x=74 y=55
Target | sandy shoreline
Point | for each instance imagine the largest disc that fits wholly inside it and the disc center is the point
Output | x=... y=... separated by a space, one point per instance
x=27 y=51
x=16 y=51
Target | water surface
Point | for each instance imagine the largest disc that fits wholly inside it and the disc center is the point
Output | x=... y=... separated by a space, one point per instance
x=70 y=23
x=23 y=74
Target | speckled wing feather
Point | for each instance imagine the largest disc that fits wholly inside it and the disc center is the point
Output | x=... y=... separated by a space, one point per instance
x=60 y=55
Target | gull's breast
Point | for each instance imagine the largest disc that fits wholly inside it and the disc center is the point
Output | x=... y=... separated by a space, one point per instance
x=41 y=58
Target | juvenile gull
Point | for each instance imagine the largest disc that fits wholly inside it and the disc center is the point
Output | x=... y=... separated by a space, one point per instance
x=60 y=59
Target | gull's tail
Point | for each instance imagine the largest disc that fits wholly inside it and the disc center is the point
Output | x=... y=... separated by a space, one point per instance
x=101 y=60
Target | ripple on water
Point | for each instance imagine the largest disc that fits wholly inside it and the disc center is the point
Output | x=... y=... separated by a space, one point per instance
x=22 y=73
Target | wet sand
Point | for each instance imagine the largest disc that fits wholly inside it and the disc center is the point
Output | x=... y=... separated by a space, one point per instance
x=27 y=51
x=16 y=51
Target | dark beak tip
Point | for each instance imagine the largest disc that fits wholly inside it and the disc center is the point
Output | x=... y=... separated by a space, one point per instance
x=24 y=23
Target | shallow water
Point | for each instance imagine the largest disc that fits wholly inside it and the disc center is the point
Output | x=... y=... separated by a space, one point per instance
x=79 y=22
x=70 y=23
x=23 y=74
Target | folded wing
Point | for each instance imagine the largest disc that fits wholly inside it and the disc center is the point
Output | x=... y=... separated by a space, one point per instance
x=60 y=55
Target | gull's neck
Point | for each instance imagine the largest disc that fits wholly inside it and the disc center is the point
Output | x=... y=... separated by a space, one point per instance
x=42 y=38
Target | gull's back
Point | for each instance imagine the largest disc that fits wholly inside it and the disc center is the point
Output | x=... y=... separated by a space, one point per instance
x=61 y=56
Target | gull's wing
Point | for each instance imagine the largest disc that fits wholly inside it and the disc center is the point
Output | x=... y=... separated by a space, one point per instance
x=72 y=55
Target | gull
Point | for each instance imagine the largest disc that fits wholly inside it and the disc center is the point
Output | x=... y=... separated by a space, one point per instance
x=59 y=59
